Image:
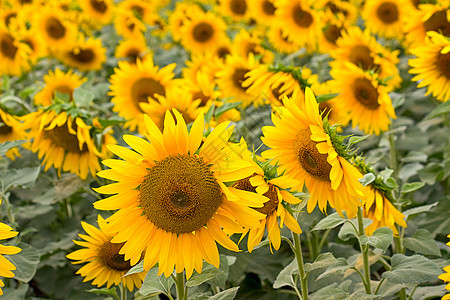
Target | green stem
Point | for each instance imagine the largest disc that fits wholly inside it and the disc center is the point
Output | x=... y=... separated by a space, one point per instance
x=379 y=285
x=181 y=286
x=9 y=209
x=365 y=254
x=299 y=257
x=123 y=292
x=323 y=239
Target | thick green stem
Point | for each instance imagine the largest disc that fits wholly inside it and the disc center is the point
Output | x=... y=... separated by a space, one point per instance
x=365 y=254
x=181 y=286
x=123 y=292
x=299 y=257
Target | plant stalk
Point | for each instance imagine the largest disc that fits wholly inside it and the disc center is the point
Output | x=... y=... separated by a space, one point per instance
x=365 y=253
x=299 y=257
x=181 y=286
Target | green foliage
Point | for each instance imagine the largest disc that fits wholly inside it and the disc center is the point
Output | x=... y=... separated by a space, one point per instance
x=411 y=269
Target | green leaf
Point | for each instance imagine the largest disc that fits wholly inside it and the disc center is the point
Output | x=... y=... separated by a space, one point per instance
x=432 y=173
x=339 y=267
x=225 y=295
x=226 y=107
x=381 y=238
x=19 y=177
x=368 y=178
x=323 y=98
x=411 y=187
x=323 y=260
x=209 y=114
x=25 y=261
x=285 y=276
x=441 y=109
x=104 y=291
x=347 y=231
x=156 y=284
x=209 y=272
x=82 y=97
x=419 y=209
x=356 y=139
x=4 y=147
x=391 y=183
x=415 y=156
x=329 y=222
x=114 y=120
x=422 y=242
x=221 y=279
x=411 y=269
x=61 y=96
x=138 y=268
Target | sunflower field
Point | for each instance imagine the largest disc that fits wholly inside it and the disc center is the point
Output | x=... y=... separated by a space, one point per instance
x=225 y=149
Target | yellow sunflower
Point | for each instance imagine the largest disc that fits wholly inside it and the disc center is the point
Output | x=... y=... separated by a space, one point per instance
x=280 y=41
x=384 y=17
x=364 y=98
x=341 y=10
x=331 y=31
x=305 y=152
x=132 y=84
x=132 y=49
x=446 y=277
x=85 y=55
x=171 y=195
x=58 y=81
x=230 y=79
x=301 y=23
x=245 y=43
x=203 y=33
x=263 y=11
x=380 y=210
x=432 y=65
x=207 y=63
x=11 y=130
x=7 y=15
x=237 y=10
x=182 y=14
x=5 y=265
x=102 y=11
x=104 y=264
x=128 y=25
x=13 y=54
x=64 y=142
x=142 y=9
x=31 y=38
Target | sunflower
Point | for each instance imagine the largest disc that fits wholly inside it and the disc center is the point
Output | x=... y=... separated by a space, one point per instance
x=132 y=49
x=304 y=151
x=141 y=9
x=280 y=41
x=104 y=263
x=331 y=31
x=203 y=33
x=85 y=55
x=5 y=265
x=13 y=54
x=182 y=14
x=171 y=198
x=230 y=79
x=102 y=11
x=446 y=277
x=207 y=63
x=31 y=38
x=238 y=10
x=432 y=65
x=58 y=81
x=7 y=15
x=245 y=43
x=384 y=17
x=10 y=130
x=263 y=11
x=63 y=142
x=132 y=84
x=341 y=10
x=128 y=25
x=364 y=98
x=301 y=23
x=176 y=98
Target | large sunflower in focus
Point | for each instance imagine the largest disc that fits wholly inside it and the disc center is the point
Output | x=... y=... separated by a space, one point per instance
x=85 y=55
x=363 y=97
x=58 y=81
x=10 y=130
x=64 y=142
x=104 y=264
x=173 y=205
x=432 y=66
x=304 y=151
x=133 y=84
x=384 y=17
x=13 y=54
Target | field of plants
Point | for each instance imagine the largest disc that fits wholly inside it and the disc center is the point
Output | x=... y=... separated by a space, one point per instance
x=225 y=149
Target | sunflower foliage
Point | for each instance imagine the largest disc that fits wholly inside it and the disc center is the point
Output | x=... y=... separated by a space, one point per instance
x=232 y=149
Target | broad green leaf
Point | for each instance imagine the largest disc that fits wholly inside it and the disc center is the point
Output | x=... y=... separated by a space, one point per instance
x=381 y=238
x=17 y=293
x=82 y=97
x=285 y=276
x=419 y=209
x=409 y=170
x=441 y=109
x=323 y=98
x=209 y=272
x=422 y=242
x=138 y=268
x=225 y=295
x=347 y=231
x=61 y=96
x=415 y=156
x=411 y=187
x=104 y=291
x=411 y=269
x=329 y=222
x=25 y=261
x=429 y=292
x=4 y=147
x=391 y=183
x=339 y=268
x=432 y=173
x=156 y=284
x=323 y=260
x=19 y=177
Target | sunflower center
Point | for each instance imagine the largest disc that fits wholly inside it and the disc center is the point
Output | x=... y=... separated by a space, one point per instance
x=55 y=29
x=313 y=162
x=325 y=109
x=9 y=17
x=438 y=22
x=239 y=77
x=83 y=56
x=30 y=43
x=64 y=89
x=335 y=9
x=360 y=56
x=199 y=95
x=443 y=64
x=252 y=48
x=99 y=5
x=132 y=54
x=144 y=88
x=387 y=12
x=222 y=52
x=138 y=11
x=268 y=8
x=301 y=17
x=61 y=137
x=7 y=46
x=4 y=129
x=109 y=256
x=239 y=7
x=332 y=33
x=365 y=93
x=179 y=194
x=269 y=206
x=203 y=32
